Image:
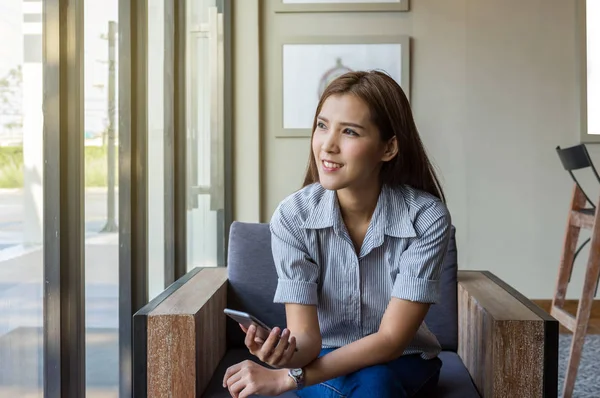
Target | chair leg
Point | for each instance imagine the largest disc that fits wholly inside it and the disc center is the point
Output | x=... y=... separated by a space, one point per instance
x=584 y=310
x=566 y=266
x=568 y=253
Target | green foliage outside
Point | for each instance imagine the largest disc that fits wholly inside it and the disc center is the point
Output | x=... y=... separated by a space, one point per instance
x=11 y=167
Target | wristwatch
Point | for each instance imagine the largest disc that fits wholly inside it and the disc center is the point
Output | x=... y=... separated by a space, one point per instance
x=298 y=376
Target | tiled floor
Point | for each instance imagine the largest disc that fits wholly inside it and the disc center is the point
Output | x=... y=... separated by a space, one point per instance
x=24 y=346
x=21 y=320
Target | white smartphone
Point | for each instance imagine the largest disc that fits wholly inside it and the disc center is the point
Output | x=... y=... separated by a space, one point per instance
x=246 y=320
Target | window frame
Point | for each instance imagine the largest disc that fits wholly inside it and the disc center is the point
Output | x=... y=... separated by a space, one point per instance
x=133 y=179
x=63 y=248
x=64 y=363
x=64 y=236
x=581 y=56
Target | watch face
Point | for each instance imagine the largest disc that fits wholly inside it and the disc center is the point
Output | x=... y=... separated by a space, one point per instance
x=296 y=372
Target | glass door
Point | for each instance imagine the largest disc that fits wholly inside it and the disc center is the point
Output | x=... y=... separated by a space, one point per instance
x=21 y=199
x=101 y=196
x=205 y=134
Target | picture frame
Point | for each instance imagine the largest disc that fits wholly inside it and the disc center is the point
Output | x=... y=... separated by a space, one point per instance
x=305 y=65
x=308 y=6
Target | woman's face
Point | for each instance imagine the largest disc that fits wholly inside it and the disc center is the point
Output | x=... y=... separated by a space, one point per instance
x=347 y=146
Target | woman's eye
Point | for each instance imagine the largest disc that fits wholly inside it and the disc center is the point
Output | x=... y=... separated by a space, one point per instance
x=321 y=125
x=351 y=132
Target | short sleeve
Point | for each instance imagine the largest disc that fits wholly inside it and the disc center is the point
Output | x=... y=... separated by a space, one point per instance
x=420 y=267
x=297 y=273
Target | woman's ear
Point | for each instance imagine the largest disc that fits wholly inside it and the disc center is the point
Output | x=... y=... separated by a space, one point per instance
x=391 y=149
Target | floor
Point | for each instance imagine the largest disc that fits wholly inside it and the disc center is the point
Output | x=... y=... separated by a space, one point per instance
x=21 y=363
x=21 y=320
x=571 y=307
x=587 y=382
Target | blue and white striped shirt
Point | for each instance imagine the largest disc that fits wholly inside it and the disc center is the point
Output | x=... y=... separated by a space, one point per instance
x=401 y=256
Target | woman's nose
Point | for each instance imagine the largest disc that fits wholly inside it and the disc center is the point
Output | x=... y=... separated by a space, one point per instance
x=330 y=143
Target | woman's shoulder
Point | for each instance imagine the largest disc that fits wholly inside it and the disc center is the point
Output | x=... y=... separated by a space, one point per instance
x=421 y=204
x=299 y=204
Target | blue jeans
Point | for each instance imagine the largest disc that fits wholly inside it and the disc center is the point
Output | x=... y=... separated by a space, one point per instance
x=406 y=376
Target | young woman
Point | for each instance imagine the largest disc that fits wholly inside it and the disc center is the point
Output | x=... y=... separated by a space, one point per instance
x=358 y=252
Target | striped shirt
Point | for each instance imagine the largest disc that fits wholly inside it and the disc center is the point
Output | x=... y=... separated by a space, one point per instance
x=401 y=256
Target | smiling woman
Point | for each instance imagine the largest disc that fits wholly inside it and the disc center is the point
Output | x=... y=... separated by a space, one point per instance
x=359 y=253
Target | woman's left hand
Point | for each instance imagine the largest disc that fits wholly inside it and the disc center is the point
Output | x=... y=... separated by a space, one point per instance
x=246 y=378
x=276 y=351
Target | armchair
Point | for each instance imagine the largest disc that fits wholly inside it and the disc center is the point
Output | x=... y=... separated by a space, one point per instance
x=496 y=343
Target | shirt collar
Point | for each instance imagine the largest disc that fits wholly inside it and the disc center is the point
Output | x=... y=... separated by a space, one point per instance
x=325 y=214
x=397 y=217
x=391 y=216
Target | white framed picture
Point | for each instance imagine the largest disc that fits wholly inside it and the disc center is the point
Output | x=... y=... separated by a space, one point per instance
x=341 y=5
x=309 y=64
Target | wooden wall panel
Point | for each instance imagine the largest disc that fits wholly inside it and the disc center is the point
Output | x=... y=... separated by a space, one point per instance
x=211 y=337
x=171 y=356
x=518 y=350
x=474 y=326
x=504 y=339
x=186 y=336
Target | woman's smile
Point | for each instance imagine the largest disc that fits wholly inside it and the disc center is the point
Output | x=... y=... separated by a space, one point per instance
x=329 y=166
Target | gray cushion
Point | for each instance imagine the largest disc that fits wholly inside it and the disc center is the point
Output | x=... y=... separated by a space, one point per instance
x=454 y=382
x=253 y=279
x=442 y=318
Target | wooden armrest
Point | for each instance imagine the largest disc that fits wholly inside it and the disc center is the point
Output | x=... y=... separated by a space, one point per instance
x=508 y=343
x=179 y=337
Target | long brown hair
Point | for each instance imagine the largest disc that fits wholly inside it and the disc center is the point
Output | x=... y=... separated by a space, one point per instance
x=390 y=111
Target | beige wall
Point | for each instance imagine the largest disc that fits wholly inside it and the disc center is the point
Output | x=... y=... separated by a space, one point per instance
x=494 y=89
x=246 y=111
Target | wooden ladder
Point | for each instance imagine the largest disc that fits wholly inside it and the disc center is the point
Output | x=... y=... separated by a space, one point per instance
x=579 y=217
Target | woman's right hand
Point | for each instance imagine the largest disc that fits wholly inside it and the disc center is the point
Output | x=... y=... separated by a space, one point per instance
x=277 y=350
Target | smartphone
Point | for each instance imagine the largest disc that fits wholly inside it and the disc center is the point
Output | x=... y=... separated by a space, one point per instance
x=245 y=319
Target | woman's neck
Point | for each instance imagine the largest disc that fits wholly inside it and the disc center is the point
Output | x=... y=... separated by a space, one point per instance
x=358 y=205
